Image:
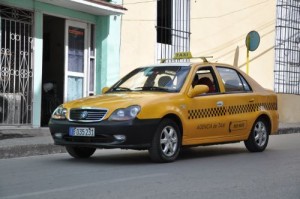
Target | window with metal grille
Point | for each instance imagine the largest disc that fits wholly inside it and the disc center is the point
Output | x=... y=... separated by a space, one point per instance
x=16 y=68
x=173 y=28
x=287 y=48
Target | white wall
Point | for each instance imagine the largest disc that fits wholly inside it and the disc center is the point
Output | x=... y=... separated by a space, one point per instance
x=218 y=27
x=138 y=37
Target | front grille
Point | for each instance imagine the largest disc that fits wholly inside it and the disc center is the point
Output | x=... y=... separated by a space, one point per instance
x=87 y=115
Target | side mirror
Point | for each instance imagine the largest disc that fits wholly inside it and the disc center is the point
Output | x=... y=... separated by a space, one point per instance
x=104 y=90
x=197 y=90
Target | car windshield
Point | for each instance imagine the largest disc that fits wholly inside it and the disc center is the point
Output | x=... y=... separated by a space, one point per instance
x=157 y=78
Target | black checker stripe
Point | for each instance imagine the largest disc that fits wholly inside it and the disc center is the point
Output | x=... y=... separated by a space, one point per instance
x=207 y=112
x=230 y=110
x=239 y=109
x=268 y=106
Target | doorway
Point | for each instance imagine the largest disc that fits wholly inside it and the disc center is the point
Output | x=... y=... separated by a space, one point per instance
x=53 y=66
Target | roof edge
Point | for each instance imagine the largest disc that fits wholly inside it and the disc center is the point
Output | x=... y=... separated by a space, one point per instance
x=105 y=3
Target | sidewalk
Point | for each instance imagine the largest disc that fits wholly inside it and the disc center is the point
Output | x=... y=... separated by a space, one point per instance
x=27 y=142
x=38 y=141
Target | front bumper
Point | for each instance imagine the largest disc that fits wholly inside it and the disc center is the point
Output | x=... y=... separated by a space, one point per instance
x=139 y=133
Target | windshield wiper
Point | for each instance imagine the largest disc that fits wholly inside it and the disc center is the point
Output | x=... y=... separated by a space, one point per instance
x=152 y=88
x=121 y=89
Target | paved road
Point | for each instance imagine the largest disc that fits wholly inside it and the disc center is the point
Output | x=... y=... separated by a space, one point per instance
x=226 y=171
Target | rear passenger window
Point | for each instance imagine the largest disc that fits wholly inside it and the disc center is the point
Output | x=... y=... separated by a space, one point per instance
x=233 y=81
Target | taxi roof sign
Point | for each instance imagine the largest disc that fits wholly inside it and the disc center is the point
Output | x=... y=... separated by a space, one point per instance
x=186 y=55
x=183 y=55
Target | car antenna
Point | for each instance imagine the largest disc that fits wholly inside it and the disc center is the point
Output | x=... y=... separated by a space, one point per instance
x=236 y=56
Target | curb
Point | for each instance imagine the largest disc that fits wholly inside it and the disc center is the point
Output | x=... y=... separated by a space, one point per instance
x=29 y=150
x=289 y=130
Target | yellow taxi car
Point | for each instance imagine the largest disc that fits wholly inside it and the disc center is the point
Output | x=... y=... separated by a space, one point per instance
x=164 y=107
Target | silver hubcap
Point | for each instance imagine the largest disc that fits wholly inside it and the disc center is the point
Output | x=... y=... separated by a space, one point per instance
x=260 y=134
x=168 y=141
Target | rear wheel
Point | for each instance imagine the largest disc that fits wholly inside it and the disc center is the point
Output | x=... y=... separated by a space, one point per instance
x=166 y=143
x=259 y=136
x=80 y=152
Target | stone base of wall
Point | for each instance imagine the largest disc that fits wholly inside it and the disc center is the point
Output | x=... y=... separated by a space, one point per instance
x=289 y=108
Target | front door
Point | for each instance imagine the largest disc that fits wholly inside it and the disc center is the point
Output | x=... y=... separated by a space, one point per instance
x=75 y=60
x=206 y=113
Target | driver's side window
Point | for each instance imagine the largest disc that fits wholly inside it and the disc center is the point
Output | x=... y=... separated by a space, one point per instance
x=206 y=76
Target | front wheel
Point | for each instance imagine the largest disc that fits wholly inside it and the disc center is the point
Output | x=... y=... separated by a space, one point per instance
x=259 y=136
x=80 y=152
x=166 y=143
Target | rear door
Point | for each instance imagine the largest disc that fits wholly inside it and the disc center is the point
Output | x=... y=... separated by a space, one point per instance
x=239 y=102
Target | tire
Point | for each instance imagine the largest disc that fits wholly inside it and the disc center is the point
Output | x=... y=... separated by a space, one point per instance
x=259 y=136
x=80 y=152
x=166 y=142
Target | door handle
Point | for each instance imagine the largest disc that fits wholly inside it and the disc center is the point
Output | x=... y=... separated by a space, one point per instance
x=251 y=100
x=220 y=103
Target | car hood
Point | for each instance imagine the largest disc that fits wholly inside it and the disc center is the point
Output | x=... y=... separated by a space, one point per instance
x=113 y=101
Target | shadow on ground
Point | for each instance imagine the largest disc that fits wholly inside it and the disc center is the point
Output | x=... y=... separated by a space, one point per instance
x=131 y=157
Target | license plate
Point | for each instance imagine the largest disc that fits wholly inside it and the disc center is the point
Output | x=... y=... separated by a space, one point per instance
x=82 y=131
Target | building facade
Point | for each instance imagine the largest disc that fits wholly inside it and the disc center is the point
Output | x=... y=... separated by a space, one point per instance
x=53 y=51
x=219 y=29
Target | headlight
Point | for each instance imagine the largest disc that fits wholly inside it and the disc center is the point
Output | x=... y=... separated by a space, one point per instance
x=125 y=113
x=59 y=113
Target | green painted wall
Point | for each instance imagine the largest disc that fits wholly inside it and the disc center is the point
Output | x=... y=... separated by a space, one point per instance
x=102 y=32
x=65 y=12
x=50 y=9
x=108 y=40
x=24 y=4
x=108 y=51
x=113 y=67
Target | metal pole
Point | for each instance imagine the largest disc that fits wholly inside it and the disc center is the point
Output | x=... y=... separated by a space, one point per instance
x=247 y=62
